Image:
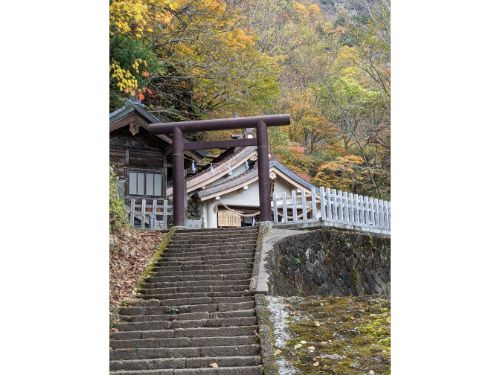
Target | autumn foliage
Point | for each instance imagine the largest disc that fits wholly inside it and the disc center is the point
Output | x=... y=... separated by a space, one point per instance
x=188 y=59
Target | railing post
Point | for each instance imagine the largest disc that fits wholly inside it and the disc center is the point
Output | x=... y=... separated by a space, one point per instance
x=313 y=203
x=285 y=208
x=346 y=207
x=132 y=212
x=165 y=210
x=361 y=210
x=372 y=216
x=380 y=211
x=335 y=214
x=352 y=218
x=152 y=222
x=294 y=206
x=356 y=210
x=386 y=215
x=328 y=203
x=322 y=203
x=389 y=215
x=275 y=208
x=304 y=207
x=143 y=213
x=341 y=206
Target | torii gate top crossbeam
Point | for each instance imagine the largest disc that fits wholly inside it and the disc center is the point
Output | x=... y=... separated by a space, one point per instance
x=219 y=124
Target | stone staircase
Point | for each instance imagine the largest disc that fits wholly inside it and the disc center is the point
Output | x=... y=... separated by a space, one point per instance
x=196 y=314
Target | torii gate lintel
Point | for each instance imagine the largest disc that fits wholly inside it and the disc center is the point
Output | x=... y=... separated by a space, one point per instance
x=179 y=145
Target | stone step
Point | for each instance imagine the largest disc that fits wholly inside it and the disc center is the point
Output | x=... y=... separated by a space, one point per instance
x=196 y=232
x=188 y=316
x=196 y=289
x=212 y=264
x=207 y=257
x=185 y=352
x=177 y=363
x=174 y=324
x=233 y=232
x=182 y=342
x=194 y=249
x=187 y=284
x=204 y=272
x=202 y=241
x=204 y=300
x=214 y=237
x=165 y=269
x=204 y=260
x=197 y=295
x=197 y=247
x=169 y=316
x=186 y=332
x=201 y=277
x=246 y=370
x=183 y=309
x=206 y=246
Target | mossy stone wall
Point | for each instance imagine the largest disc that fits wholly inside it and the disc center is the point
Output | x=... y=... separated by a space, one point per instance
x=330 y=262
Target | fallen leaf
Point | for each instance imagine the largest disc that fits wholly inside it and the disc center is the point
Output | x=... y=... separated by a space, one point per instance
x=214 y=365
x=277 y=352
x=316 y=364
x=298 y=346
x=303 y=342
x=311 y=348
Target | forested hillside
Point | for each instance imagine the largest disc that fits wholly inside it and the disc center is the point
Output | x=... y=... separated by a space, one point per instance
x=325 y=62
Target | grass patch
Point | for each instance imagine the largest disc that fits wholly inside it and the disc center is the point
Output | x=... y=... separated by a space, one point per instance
x=340 y=335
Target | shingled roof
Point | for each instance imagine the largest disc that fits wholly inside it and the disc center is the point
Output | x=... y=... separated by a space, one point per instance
x=220 y=168
x=250 y=176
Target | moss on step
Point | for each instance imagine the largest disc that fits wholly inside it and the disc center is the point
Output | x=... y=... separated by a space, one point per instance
x=340 y=335
x=266 y=336
x=155 y=258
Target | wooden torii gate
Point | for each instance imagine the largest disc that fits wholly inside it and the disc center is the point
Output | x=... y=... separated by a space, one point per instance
x=179 y=144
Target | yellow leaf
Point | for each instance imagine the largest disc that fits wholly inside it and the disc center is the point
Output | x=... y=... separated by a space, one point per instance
x=297 y=346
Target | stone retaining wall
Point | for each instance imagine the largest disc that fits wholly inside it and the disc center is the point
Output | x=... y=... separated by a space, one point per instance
x=330 y=262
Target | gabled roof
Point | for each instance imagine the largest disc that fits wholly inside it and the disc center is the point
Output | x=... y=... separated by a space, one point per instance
x=130 y=107
x=118 y=119
x=232 y=158
x=251 y=176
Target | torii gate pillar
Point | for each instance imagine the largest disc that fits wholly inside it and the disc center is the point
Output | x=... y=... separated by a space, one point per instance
x=177 y=129
x=178 y=176
x=263 y=169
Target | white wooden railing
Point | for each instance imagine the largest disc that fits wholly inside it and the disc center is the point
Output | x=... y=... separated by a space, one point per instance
x=333 y=207
x=150 y=213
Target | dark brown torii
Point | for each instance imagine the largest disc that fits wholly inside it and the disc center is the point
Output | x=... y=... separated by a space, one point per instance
x=179 y=144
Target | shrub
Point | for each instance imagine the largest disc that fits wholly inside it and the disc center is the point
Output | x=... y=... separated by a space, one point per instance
x=118 y=217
